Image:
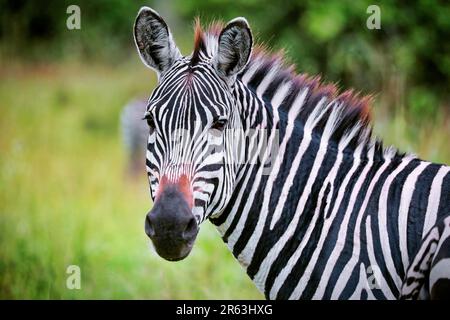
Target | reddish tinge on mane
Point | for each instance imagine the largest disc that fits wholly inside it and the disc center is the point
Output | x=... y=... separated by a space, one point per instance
x=355 y=108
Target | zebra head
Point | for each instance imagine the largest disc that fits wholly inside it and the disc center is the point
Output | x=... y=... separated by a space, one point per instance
x=191 y=114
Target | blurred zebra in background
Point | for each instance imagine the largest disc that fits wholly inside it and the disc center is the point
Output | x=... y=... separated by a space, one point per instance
x=134 y=133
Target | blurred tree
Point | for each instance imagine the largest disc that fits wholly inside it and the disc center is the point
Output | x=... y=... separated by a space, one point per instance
x=320 y=37
x=331 y=38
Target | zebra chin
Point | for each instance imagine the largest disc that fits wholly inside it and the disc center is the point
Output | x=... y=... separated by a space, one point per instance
x=171 y=226
x=181 y=252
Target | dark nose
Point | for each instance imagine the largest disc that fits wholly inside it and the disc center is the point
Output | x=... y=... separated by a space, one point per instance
x=171 y=225
x=181 y=225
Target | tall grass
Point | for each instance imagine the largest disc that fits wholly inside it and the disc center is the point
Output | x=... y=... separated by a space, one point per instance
x=65 y=198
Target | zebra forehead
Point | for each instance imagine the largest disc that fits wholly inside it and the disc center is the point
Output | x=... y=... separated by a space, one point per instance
x=189 y=102
x=187 y=80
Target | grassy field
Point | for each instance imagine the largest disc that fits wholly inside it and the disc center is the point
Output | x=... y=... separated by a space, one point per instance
x=65 y=198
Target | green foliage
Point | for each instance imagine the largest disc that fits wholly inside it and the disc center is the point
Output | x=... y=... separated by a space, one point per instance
x=321 y=37
x=36 y=30
x=331 y=38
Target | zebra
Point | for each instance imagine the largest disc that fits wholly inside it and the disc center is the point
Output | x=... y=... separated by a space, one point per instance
x=330 y=214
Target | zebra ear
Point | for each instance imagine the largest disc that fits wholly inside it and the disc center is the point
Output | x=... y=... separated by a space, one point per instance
x=154 y=41
x=235 y=46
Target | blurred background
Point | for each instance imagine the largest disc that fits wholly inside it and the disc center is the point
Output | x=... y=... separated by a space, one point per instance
x=67 y=196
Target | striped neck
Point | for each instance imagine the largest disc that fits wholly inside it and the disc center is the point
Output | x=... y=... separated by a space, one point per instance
x=331 y=208
x=290 y=200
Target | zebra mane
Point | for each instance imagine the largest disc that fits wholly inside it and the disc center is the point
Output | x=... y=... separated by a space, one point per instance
x=344 y=116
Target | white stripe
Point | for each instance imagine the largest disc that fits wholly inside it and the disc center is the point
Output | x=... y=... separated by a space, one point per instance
x=407 y=193
x=262 y=87
x=233 y=238
x=348 y=269
x=444 y=235
x=340 y=242
x=281 y=278
x=247 y=253
x=363 y=284
x=419 y=264
x=261 y=275
x=384 y=287
x=382 y=221
x=307 y=136
x=440 y=270
x=433 y=200
x=251 y=135
x=266 y=81
x=226 y=225
x=246 y=77
x=327 y=224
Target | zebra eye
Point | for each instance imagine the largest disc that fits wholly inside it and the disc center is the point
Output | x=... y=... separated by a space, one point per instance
x=150 y=122
x=219 y=124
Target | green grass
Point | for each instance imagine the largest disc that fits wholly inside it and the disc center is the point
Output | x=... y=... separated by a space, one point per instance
x=65 y=198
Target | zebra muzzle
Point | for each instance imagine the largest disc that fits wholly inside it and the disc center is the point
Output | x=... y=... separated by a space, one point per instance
x=171 y=225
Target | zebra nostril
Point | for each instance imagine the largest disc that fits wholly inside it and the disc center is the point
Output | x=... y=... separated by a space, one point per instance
x=149 y=230
x=191 y=230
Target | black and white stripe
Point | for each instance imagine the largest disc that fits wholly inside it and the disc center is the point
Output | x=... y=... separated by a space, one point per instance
x=335 y=215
